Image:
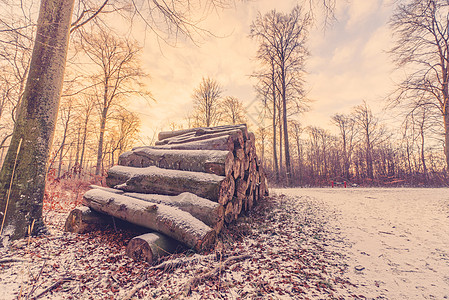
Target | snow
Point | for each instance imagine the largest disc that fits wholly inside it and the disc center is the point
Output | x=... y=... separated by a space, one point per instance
x=396 y=240
x=183 y=199
x=213 y=155
x=304 y=244
x=169 y=220
x=131 y=172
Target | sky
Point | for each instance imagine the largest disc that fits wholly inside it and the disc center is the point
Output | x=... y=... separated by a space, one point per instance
x=349 y=63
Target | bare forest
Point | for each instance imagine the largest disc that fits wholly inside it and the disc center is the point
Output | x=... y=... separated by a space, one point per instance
x=132 y=124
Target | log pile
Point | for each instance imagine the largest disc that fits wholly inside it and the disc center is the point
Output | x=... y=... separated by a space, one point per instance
x=186 y=187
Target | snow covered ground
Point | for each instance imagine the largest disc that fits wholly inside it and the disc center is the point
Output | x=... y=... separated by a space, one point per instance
x=396 y=241
x=300 y=244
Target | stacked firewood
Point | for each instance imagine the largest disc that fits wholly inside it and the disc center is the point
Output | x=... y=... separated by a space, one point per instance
x=186 y=186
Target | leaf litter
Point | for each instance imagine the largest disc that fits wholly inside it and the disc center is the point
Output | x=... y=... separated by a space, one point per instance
x=283 y=249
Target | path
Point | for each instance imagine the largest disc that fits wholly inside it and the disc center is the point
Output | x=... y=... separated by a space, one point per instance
x=396 y=240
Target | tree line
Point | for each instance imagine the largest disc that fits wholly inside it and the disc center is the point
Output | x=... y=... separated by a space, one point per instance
x=364 y=151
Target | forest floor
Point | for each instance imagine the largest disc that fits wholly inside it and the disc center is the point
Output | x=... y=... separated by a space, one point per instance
x=298 y=244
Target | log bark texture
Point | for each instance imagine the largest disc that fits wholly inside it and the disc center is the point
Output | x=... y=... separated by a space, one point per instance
x=186 y=188
x=201 y=131
x=208 y=161
x=236 y=133
x=170 y=221
x=154 y=180
x=225 y=143
x=207 y=211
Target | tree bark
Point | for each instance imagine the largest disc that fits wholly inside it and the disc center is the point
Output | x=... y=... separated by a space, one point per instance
x=150 y=247
x=209 y=212
x=275 y=157
x=98 y=168
x=207 y=161
x=193 y=138
x=201 y=131
x=162 y=218
x=286 y=141
x=36 y=122
x=153 y=180
x=225 y=143
x=446 y=135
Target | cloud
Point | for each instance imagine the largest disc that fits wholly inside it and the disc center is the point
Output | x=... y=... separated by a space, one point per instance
x=360 y=11
x=348 y=63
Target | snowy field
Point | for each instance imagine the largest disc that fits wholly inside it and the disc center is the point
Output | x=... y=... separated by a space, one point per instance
x=396 y=241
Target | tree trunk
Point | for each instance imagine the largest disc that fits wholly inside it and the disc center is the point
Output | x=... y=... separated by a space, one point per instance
x=288 y=165
x=153 y=180
x=83 y=143
x=162 y=218
x=446 y=136
x=35 y=125
x=281 y=168
x=150 y=247
x=61 y=156
x=207 y=161
x=98 y=168
x=275 y=157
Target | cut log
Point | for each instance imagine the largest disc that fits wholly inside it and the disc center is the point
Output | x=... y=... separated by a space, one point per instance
x=170 y=221
x=154 y=180
x=225 y=143
x=107 y=189
x=201 y=131
x=229 y=213
x=193 y=138
x=169 y=134
x=82 y=220
x=208 y=161
x=237 y=168
x=150 y=247
x=211 y=213
x=208 y=130
x=241 y=186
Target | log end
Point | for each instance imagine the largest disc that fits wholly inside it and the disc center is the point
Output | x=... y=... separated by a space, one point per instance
x=82 y=220
x=139 y=250
x=149 y=247
x=207 y=242
x=220 y=219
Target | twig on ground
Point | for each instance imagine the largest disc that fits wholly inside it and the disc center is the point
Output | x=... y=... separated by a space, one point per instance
x=135 y=289
x=173 y=264
x=11 y=260
x=53 y=286
x=205 y=275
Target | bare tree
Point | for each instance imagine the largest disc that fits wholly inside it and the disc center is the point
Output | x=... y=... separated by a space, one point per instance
x=421 y=29
x=372 y=133
x=282 y=40
x=207 y=103
x=233 y=111
x=126 y=126
x=117 y=76
x=347 y=132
